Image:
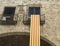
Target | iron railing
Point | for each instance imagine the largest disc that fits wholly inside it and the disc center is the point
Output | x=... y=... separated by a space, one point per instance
x=12 y=21
x=27 y=19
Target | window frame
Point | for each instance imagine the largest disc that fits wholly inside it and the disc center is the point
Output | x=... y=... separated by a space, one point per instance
x=9 y=17
x=34 y=8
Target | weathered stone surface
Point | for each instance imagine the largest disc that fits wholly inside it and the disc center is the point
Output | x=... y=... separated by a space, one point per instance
x=51 y=9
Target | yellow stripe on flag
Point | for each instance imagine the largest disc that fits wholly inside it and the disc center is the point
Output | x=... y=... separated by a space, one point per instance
x=35 y=30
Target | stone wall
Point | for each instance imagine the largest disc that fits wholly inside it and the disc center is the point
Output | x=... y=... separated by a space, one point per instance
x=51 y=10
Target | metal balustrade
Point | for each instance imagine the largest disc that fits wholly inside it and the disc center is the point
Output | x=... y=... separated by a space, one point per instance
x=8 y=20
x=26 y=19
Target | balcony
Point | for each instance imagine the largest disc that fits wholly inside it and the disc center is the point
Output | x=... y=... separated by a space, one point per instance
x=9 y=17
x=27 y=19
x=7 y=20
x=31 y=11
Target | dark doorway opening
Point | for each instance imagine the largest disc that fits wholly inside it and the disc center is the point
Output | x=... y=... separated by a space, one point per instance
x=19 y=40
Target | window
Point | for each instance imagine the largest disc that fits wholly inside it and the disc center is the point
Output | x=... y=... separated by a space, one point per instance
x=9 y=13
x=34 y=10
x=8 y=16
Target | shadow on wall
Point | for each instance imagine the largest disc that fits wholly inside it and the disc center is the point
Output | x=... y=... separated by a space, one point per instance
x=20 y=39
